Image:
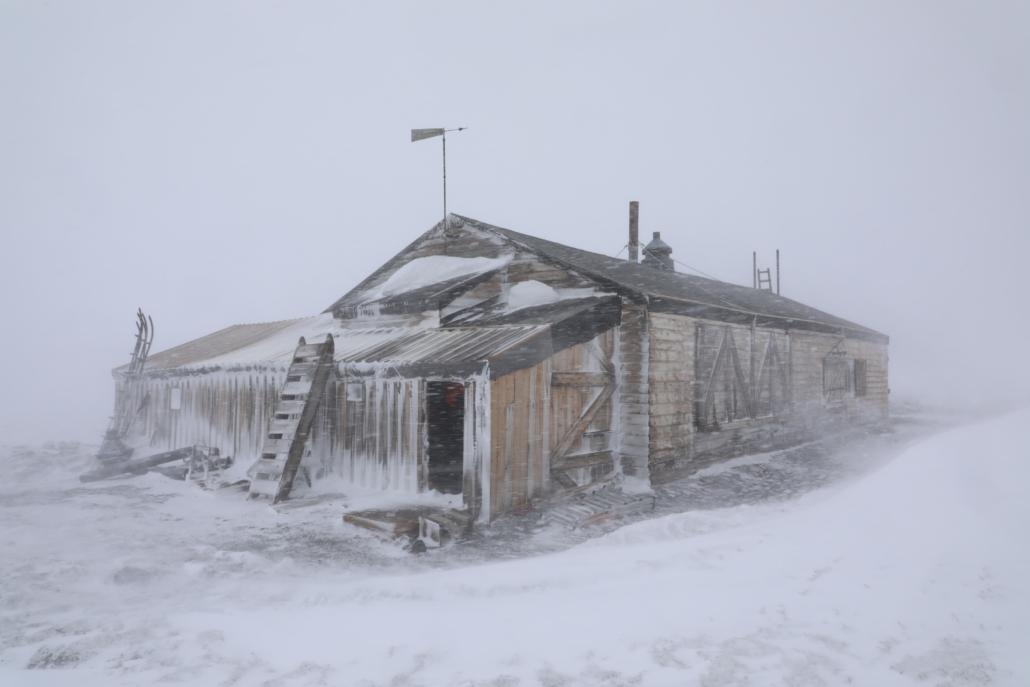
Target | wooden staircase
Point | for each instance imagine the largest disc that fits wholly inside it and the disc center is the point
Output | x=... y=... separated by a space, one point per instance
x=291 y=423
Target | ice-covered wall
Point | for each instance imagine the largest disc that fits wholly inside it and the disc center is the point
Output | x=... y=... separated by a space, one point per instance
x=227 y=410
x=371 y=435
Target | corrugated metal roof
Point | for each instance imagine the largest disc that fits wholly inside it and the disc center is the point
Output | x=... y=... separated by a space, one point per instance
x=271 y=344
x=268 y=343
x=217 y=344
x=446 y=346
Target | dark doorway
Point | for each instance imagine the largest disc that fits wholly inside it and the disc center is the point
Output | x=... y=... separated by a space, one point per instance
x=445 y=422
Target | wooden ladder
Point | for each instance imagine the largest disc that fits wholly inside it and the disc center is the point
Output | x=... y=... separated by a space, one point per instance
x=765 y=280
x=291 y=423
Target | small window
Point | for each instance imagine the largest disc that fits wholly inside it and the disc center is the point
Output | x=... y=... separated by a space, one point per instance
x=861 y=387
x=175 y=398
x=355 y=392
x=836 y=377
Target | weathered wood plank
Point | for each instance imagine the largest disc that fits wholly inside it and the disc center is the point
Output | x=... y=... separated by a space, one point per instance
x=580 y=379
x=586 y=460
x=575 y=432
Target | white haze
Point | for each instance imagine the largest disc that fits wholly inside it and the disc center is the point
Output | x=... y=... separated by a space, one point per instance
x=233 y=162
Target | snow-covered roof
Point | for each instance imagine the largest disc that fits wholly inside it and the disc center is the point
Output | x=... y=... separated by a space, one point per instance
x=417 y=284
x=264 y=344
x=234 y=339
x=717 y=299
x=429 y=270
x=271 y=345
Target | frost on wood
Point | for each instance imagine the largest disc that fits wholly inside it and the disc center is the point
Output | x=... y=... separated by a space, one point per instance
x=575 y=370
x=371 y=438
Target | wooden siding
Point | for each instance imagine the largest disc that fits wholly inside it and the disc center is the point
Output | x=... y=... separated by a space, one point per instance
x=808 y=350
x=533 y=409
x=670 y=392
x=373 y=435
x=767 y=392
x=633 y=394
x=374 y=442
x=519 y=438
x=581 y=412
x=228 y=411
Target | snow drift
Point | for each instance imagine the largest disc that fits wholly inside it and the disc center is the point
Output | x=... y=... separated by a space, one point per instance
x=915 y=574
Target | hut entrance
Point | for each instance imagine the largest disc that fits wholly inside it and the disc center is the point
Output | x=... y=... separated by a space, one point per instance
x=445 y=423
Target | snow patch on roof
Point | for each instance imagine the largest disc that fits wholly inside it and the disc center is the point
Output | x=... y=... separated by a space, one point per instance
x=274 y=349
x=369 y=347
x=277 y=347
x=526 y=294
x=429 y=270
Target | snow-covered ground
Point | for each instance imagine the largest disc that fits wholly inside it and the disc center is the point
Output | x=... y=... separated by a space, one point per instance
x=917 y=573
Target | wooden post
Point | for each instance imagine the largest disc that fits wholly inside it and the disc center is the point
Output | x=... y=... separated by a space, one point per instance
x=634 y=231
x=777 y=271
x=754 y=269
x=752 y=378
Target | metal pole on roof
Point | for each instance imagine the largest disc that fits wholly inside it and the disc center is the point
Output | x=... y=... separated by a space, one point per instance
x=422 y=134
x=444 y=135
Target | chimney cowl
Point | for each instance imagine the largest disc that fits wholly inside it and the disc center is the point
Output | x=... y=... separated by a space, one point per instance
x=658 y=254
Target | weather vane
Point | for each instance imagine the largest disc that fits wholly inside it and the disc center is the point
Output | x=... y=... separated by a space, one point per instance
x=422 y=134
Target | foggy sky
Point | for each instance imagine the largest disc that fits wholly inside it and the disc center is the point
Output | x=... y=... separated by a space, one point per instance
x=229 y=162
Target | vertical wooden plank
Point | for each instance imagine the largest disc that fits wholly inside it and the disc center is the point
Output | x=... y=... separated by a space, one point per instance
x=404 y=444
x=497 y=402
x=507 y=411
x=383 y=434
x=509 y=449
x=533 y=430
x=520 y=434
x=422 y=434
x=367 y=467
x=398 y=455
x=501 y=398
x=545 y=425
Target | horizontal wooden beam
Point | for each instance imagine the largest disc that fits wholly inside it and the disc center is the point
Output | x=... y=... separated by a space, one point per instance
x=584 y=460
x=580 y=379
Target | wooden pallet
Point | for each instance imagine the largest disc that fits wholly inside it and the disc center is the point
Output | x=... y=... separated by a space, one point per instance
x=604 y=504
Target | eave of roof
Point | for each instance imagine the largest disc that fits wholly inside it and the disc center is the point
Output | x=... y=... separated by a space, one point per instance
x=216 y=344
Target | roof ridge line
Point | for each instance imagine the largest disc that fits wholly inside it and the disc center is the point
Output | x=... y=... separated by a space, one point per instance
x=687 y=278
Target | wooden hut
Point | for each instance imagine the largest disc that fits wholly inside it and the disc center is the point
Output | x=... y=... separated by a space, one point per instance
x=502 y=367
